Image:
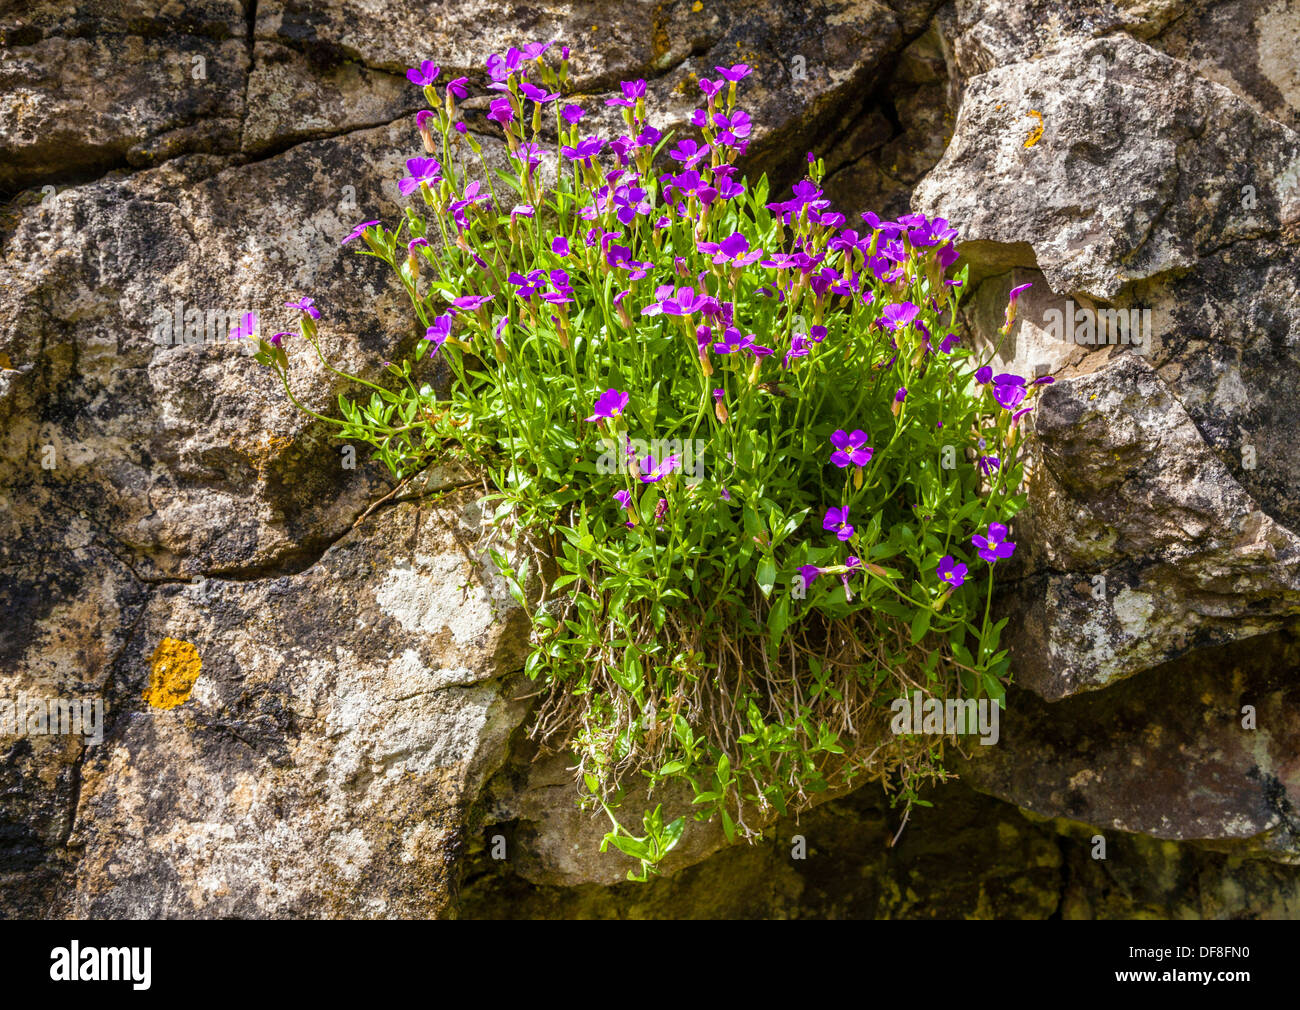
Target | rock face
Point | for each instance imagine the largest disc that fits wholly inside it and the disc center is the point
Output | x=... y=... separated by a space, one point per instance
x=308 y=715
x=1161 y=533
x=333 y=727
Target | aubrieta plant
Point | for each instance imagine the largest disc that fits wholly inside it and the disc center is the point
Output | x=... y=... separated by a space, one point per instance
x=771 y=483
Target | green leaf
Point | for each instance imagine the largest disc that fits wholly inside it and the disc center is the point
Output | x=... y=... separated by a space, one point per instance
x=921 y=624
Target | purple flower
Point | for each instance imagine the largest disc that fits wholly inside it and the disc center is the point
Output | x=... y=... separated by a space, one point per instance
x=246 y=327
x=632 y=90
x=502 y=111
x=438 y=332
x=560 y=245
x=982 y=375
x=456 y=87
x=711 y=88
x=901 y=395
x=689 y=153
x=733 y=343
x=424 y=75
x=358 y=231
x=728 y=188
x=735 y=128
x=472 y=196
x=734 y=74
x=278 y=338
x=500 y=67
x=798 y=349
x=652 y=471
x=947 y=343
x=836 y=521
x=539 y=95
x=586 y=149
x=648 y=137
x=609 y=404
x=995 y=546
x=529 y=152
x=808 y=573
x=988 y=464
x=1008 y=390
x=682 y=302
x=895 y=316
x=732 y=249
x=631 y=201
x=305 y=305
x=624 y=498
x=421 y=170
x=951 y=572
x=571 y=113
x=850 y=448
x=1015 y=292
x=471 y=302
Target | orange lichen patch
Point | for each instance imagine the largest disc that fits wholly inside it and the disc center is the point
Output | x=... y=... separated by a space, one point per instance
x=174 y=667
x=1036 y=133
x=5 y=364
x=263 y=454
x=697 y=7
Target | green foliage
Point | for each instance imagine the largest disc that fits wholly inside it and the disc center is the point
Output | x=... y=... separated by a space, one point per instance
x=684 y=640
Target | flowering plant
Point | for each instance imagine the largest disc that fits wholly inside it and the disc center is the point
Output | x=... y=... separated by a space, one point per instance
x=772 y=484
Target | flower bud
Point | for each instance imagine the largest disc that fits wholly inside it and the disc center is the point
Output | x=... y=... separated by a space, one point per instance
x=426 y=131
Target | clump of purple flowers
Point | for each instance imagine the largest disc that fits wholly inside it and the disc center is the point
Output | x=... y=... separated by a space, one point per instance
x=606 y=270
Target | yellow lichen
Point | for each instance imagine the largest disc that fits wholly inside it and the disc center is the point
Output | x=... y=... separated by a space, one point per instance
x=1037 y=132
x=174 y=667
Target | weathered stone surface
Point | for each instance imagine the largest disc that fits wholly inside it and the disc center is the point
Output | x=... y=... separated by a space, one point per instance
x=885 y=148
x=1136 y=172
x=1160 y=533
x=1141 y=545
x=982 y=35
x=1206 y=750
x=1248 y=46
x=1185 y=445
x=189 y=454
x=340 y=720
x=108 y=85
